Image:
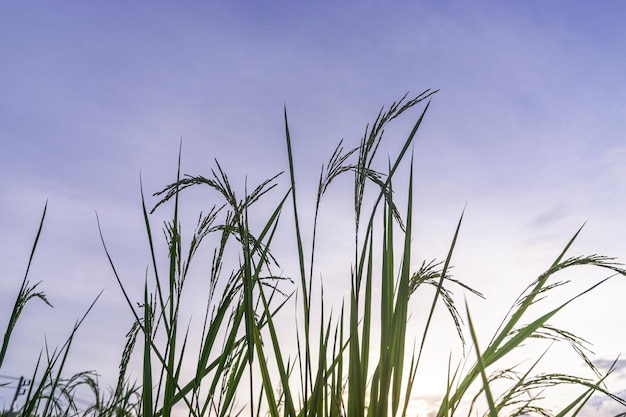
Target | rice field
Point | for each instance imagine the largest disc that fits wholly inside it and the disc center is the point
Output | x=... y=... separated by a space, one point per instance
x=353 y=359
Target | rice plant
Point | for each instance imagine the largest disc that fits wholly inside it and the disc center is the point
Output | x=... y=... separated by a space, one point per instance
x=49 y=392
x=238 y=365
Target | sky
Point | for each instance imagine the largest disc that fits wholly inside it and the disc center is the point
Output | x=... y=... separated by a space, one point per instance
x=526 y=133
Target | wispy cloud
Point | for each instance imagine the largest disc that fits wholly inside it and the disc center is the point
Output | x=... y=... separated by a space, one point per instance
x=618 y=365
x=601 y=406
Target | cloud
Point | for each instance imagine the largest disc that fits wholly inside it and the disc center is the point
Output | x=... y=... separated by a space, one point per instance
x=605 y=364
x=602 y=406
x=550 y=216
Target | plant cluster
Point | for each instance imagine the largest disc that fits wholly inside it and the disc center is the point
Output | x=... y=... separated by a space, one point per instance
x=338 y=368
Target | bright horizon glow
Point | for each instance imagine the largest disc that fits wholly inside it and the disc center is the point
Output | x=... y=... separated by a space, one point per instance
x=527 y=130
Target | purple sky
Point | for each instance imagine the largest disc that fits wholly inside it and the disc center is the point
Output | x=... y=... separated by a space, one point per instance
x=528 y=129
